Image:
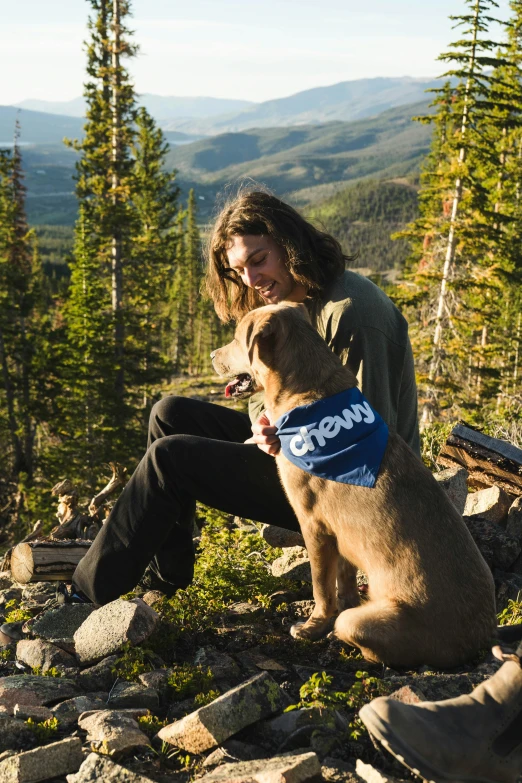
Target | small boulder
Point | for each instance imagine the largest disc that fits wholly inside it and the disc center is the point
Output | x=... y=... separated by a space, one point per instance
x=49 y=761
x=112 y=626
x=293 y=564
x=408 y=694
x=68 y=711
x=100 y=768
x=63 y=622
x=337 y=771
x=221 y=665
x=112 y=733
x=280 y=537
x=132 y=694
x=214 y=723
x=44 y=655
x=369 y=774
x=491 y=504
x=497 y=548
x=100 y=677
x=34 y=690
x=290 y=768
x=26 y=711
x=454 y=482
x=15 y=734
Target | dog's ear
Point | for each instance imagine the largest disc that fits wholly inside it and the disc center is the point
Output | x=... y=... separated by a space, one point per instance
x=262 y=332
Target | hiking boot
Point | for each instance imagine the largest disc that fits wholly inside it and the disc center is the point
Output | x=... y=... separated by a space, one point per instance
x=475 y=738
x=151 y=582
x=70 y=595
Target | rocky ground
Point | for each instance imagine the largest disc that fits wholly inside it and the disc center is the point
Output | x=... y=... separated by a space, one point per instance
x=199 y=686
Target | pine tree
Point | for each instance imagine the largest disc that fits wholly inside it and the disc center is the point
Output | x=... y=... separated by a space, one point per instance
x=22 y=316
x=461 y=228
x=124 y=254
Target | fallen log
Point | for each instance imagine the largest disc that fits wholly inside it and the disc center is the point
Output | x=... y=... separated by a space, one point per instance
x=46 y=561
x=489 y=461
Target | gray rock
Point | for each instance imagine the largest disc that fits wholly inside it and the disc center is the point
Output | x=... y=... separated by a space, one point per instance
x=10 y=594
x=291 y=769
x=157 y=679
x=39 y=691
x=99 y=677
x=44 y=655
x=454 y=482
x=68 y=711
x=514 y=520
x=63 y=622
x=369 y=774
x=234 y=750
x=408 y=694
x=44 y=763
x=337 y=771
x=293 y=564
x=109 y=628
x=112 y=733
x=131 y=694
x=497 y=548
x=280 y=537
x=491 y=504
x=221 y=665
x=277 y=730
x=39 y=592
x=214 y=723
x=97 y=768
x=26 y=711
x=15 y=734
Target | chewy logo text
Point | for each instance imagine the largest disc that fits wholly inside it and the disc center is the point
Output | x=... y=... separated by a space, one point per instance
x=329 y=427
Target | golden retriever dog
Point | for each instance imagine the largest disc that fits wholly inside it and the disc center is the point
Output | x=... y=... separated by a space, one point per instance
x=431 y=595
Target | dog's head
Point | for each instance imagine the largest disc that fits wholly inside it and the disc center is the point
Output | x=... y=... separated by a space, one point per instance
x=259 y=345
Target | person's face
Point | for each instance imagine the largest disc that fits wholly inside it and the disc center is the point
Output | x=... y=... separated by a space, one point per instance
x=261 y=264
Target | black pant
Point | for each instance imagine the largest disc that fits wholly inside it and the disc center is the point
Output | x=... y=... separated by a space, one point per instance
x=196 y=451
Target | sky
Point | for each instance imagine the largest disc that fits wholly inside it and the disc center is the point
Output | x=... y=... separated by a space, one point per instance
x=248 y=49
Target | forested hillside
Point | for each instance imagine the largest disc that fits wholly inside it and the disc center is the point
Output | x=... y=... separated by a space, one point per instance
x=365 y=216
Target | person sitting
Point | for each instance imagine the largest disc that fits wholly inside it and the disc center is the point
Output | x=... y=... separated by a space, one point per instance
x=262 y=251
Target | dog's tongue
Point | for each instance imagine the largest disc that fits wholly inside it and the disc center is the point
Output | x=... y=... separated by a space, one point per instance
x=230 y=386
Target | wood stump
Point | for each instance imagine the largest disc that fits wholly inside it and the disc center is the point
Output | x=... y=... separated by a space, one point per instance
x=47 y=561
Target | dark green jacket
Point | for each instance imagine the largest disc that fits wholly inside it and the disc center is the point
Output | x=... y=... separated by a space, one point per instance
x=364 y=328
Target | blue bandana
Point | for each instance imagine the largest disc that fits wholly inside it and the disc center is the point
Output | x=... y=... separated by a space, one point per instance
x=340 y=438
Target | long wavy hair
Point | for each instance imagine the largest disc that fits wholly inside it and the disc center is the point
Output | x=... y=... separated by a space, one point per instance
x=313 y=257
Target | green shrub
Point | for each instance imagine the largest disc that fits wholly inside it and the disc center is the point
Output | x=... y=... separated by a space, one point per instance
x=45 y=730
x=318 y=692
x=132 y=662
x=188 y=680
x=512 y=614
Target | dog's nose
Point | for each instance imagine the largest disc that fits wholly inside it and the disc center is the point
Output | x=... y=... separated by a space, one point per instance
x=213 y=354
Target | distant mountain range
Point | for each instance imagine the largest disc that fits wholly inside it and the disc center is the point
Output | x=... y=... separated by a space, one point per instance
x=38 y=127
x=161 y=107
x=345 y=102
x=305 y=164
x=292 y=159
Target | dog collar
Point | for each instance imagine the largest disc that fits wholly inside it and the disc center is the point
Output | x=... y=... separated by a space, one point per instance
x=340 y=438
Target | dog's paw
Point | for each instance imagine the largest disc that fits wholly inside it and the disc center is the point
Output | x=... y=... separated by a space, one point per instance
x=312 y=629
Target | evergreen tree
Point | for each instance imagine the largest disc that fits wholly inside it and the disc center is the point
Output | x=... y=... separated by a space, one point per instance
x=126 y=239
x=23 y=322
x=459 y=238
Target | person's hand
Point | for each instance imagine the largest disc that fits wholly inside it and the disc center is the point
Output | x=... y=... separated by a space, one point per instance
x=264 y=436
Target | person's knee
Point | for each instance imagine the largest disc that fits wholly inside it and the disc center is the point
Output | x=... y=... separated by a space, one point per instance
x=168 y=415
